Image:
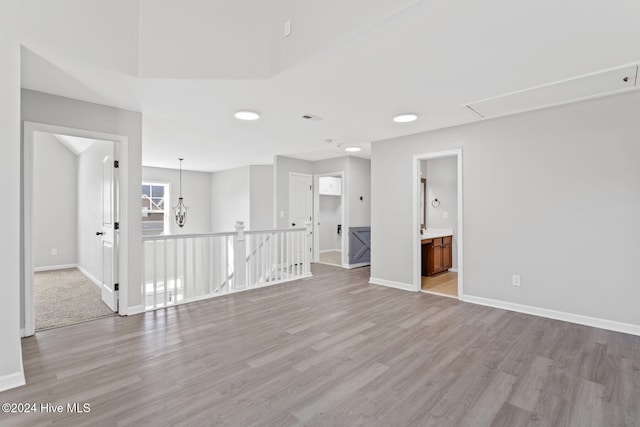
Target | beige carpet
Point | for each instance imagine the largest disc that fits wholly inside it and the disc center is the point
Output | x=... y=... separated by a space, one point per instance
x=331 y=257
x=65 y=297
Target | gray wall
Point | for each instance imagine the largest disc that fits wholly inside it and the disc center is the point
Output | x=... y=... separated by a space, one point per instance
x=442 y=183
x=552 y=195
x=196 y=190
x=55 y=110
x=358 y=185
x=55 y=203
x=11 y=374
x=244 y=194
x=230 y=199
x=261 y=194
x=90 y=207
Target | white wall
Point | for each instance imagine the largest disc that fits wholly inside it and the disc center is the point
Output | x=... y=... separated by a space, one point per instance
x=196 y=190
x=261 y=194
x=552 y=195
x=230 y=199
x=330 y=215
x=90 y=206
x=442 y=184
x=55 y=110
x=315 y=26
x=204 y=39
x=55 y=202
x=103 y=34
x=11 y=373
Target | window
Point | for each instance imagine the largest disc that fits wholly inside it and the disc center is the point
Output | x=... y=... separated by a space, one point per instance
x=155 y=208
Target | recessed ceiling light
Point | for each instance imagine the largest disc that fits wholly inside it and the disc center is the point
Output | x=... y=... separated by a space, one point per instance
x=405 y=118
x=247 y=115
x=352 y=149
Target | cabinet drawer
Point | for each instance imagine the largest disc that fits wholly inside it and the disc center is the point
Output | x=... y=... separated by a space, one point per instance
x=446 y=240
x=437 y=242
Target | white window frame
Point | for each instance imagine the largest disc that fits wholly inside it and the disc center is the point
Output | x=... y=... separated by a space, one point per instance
x=166 y=228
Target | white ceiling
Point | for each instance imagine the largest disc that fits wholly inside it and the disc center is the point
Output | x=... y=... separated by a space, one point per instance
x=355 y=63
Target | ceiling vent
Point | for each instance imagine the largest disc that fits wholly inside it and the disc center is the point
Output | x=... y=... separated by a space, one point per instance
x=592 y=85
x=312 y=118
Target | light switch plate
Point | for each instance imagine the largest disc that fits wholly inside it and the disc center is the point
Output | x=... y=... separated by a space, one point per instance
x=445 y=215
x=287 y=28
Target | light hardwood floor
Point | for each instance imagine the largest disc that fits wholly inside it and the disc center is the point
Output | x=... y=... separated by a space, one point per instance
x=332 y=350
x=442 y=283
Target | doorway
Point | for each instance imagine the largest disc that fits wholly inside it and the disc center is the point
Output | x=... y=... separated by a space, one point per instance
x=70 y=227
x=438 y=207
x=328 y=225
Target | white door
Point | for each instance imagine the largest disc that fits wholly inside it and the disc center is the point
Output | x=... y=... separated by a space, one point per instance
x=300 y=199
x=109 y=234
x=300 y=205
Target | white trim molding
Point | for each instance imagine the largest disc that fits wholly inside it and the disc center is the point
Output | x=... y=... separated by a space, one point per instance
x=350 y=266
x=54 y=267
x=120 y=144
x=417 y=247
x=612 y=325
x=10 y=381
x=392 y=284
x=344 y=200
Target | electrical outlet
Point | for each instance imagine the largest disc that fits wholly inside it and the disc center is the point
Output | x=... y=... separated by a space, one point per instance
x=281 y=214
x=515 y=280
x=54 y=251
x=445 y=215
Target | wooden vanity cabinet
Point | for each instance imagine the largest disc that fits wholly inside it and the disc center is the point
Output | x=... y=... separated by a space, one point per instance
x=447 y=258
x=436 y=255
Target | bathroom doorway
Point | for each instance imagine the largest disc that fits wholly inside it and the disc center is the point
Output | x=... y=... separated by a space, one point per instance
x=438 y=219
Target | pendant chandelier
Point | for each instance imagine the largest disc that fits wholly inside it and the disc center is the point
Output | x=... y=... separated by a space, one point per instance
x=180 y=210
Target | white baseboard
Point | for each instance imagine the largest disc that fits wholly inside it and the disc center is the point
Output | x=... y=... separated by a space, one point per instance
x=362 y=264
x=90 y=277
x=611 y=325
x=136 y=309
x=330 y=250
x=391 y=284
x=54 y=267
x=453 y=270
x=12 y=381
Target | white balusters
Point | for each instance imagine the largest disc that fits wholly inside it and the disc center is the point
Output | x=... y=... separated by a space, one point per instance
x=182 y=268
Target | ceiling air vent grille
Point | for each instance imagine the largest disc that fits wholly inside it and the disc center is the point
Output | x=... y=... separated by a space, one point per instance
x=312 y=118
x=592 y=85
